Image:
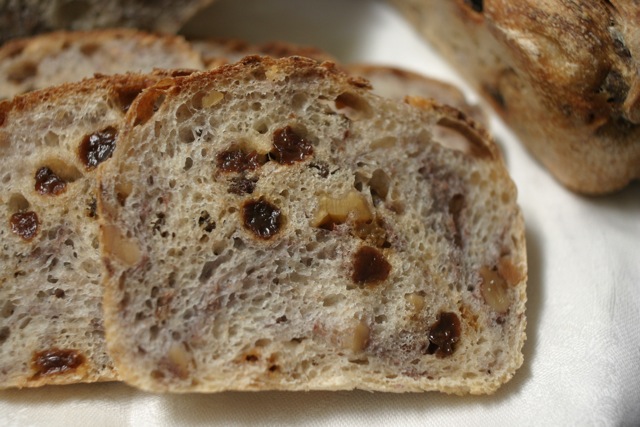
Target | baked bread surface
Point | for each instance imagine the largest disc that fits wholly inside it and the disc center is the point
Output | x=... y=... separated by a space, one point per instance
x=563 y=75
x=274 y=225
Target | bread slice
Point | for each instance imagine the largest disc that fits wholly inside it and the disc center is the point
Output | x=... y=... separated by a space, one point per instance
x=216 y=51
x=272 y=224
x=66 y=56
x=22 y=18
x=563 y=75
x=397 y=83
x=52 y=143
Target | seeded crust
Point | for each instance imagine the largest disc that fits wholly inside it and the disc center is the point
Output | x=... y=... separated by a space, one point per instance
x=65 y=56
x=51 y=329
x=273 y=224
x=564 y=76
x=22 y=18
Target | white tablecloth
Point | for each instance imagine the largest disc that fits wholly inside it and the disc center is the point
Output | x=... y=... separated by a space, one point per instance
x=582 y=356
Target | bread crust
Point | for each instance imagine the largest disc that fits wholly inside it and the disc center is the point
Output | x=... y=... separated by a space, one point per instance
x=563 y=75
x=200 y=297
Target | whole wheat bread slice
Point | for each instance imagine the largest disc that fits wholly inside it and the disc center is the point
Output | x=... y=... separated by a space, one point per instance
x=68 y=56
x=274 y=225
x=52 y=143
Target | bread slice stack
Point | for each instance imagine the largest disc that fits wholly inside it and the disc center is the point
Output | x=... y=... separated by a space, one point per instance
x=51 y=329
x=272 y=224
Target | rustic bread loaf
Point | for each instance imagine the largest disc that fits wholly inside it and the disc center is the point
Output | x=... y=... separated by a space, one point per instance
x=22 y=18
x=52 y=143
x=273 y=225
x=61 y=57
x=563 y=75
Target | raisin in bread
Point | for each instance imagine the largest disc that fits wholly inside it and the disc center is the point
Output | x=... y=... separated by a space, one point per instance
x=563 y=75
x=22 y=18
x=272 y=224
x=52 y=143
x=64 y=56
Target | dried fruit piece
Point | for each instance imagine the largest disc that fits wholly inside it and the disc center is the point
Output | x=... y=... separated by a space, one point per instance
x=237 y=161
x=25 y=224
x=289 y=147
x=444 y=335
x=114 y=243
x=334 y=211
x=262 y=218
x=370 y=266
x=47 y=182
x=360 y=338
x=494 y=290
x=56 y=361
x=98 y=147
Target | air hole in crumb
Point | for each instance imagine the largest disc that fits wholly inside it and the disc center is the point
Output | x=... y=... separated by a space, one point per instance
x=353 y=106
x=7 y=309
x=88 y=49
x=22 y=71
x=4 y=334
x=261 y=126
x=154 y=330
x=18 y=203
x=188 y=163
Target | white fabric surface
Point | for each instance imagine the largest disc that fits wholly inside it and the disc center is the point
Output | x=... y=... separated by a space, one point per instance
x=582 y=356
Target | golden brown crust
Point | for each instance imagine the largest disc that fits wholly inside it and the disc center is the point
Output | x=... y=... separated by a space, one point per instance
x=563 y=75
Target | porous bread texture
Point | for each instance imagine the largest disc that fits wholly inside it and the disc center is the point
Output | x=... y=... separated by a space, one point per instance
x=22 y=18
x=51 y=329
x=563 y=75
x=219 y=51
x=66 y=56
x=274 y=225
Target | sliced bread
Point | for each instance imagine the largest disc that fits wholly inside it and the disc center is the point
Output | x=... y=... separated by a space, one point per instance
x=272 y=224
x=68 y=56
x=52 y=143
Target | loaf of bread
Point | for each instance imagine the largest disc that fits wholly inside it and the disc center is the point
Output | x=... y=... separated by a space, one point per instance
x=20 y=18
x=563 y=75
x=52 y=143
x=272 y=224
x=68 y=56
